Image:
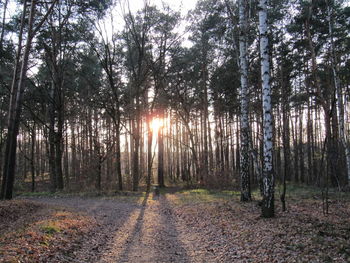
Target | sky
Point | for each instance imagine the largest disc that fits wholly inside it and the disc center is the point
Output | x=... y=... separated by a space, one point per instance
x=183 y=5
x=108 y=25
x=178 y=5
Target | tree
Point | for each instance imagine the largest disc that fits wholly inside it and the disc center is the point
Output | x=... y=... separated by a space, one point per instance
x=163 y=40
x=268 y=175
x=17 y=89
x=338 y=92
x=59 y=41
x=244 y=123
x=136 y=35
x=2 y=34
x=110 y=59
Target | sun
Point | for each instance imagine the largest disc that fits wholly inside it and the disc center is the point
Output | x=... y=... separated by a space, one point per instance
x=156 y=124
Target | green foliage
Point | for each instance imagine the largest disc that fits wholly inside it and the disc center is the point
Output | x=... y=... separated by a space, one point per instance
x=224 y=86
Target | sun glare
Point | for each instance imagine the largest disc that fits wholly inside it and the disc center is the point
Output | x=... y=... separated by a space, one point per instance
x=156 y=124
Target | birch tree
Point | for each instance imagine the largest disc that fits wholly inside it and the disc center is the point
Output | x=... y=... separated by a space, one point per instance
x=268 y=176
x=244 y=132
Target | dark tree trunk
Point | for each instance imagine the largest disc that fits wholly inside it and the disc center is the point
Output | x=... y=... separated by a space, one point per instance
x=118 y=160
x=15 y=110
x=32 y=157
x=161 y=155
x=149 y=155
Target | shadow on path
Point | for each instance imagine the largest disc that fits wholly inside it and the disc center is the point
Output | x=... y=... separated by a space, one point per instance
x=130 y=241
x=109 y=216
x=172 y=248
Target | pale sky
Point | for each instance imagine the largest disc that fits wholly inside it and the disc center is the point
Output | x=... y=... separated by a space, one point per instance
x=118 y=22
x=184 y=5
x=177 y=5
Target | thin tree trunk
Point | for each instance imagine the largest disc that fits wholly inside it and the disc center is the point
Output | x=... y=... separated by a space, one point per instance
x=310 y=147
x=32 y=153
x=161 y=154
x=74 y=152
x=300 y=146
x=52 y=138
x=339 y=96
x=136 y=148
x=149 y=155
x=14 y=87
x=286 y=141
x=118 y=159
x=244 y=125
x=15 y=112
x=59 y=148
x=66 y=158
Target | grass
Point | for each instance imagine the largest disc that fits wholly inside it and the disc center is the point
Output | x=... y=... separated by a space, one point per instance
x=50 y=228
x=201 y=195
x=302 y=191
x=198 y=195
x=294 y=192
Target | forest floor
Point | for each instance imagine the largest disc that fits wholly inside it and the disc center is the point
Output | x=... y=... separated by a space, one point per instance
x=178 y=226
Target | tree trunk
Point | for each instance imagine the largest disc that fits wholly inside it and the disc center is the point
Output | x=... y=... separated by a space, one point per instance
x=136 y=148
x=161 y=154
x=244 y=125
x=149 y=154
x=32 y=152
x=268 y=176
x=15 y=112
x=118 y=159
x=339 y=96
x=59 y=149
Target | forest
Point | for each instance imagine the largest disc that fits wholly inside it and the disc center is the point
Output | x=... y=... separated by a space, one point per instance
x=228 y=112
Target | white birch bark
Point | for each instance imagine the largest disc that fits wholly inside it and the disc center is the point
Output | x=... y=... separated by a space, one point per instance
x=339 y=96
x=243 y=65
x=268 y=177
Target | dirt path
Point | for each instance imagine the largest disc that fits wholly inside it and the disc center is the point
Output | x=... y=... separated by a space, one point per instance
x=148 y=231
x=185 y=227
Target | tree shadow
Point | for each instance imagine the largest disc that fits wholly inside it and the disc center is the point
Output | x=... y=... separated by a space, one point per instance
x=158 y=244
x=109 y=216
x=171 y=248
x=124 y=256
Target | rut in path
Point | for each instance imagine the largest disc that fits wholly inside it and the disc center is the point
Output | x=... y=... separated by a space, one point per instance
x=152 y=234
